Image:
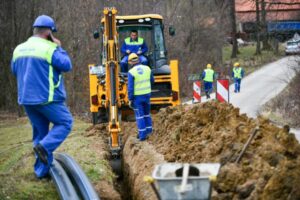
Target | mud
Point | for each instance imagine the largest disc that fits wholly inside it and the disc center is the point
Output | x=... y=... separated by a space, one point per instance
x=216 y=132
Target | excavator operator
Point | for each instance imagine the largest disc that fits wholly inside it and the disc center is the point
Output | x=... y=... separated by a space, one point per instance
x=140 y=79
x=133 y=44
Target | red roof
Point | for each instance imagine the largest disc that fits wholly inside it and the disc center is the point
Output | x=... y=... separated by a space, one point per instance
x=245 y=10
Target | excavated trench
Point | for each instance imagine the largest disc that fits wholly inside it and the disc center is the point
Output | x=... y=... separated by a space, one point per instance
x=214 y=132
x=138 y=161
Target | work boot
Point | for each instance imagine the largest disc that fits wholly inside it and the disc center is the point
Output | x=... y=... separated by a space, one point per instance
x=41 y=153
x=208 y=96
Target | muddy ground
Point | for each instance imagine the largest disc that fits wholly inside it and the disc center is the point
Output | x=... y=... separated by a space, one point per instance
x=216 y=132
x=209 y=132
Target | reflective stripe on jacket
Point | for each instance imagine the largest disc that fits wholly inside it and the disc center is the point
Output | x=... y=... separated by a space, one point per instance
x=142 y=83
x=209 y=75
x=37 y=64
x=134 y=45
x=129 y=41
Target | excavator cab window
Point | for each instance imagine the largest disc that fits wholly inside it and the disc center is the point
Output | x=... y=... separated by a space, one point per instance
x=143 y=32
x=160 y=52
x=152 y=32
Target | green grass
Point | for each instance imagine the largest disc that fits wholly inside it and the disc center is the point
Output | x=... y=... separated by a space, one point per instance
x=17 y=180
x=247 y=58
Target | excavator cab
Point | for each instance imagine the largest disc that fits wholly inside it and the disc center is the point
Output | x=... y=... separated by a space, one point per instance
x=150 y=28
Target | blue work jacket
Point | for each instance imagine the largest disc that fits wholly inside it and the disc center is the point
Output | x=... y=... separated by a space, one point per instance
x=38 y=65
x=131 y=80
x=134 y=46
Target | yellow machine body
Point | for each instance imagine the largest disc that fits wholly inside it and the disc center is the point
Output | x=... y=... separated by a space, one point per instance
x=99 y=85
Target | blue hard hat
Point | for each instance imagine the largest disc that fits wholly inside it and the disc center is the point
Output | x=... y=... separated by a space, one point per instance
x=45 y=21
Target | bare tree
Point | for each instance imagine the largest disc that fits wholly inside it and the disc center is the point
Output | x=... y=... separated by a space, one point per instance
x=233 y=29
x=265 y=38
x=258 y=51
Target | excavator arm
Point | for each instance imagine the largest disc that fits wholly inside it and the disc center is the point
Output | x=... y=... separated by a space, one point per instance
x=113 y=103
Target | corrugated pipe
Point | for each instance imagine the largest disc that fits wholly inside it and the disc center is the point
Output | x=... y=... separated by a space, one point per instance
x=77 y=176
x=62 y=182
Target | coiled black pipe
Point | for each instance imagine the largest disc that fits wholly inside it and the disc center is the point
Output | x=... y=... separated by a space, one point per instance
x=62 y=182
x=77 y=176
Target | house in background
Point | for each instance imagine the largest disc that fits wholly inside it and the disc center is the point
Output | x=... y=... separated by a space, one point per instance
x=283 y=19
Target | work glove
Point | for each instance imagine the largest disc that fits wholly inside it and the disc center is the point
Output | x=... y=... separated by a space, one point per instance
x=130 y=104
x=139 y=52
x=128 y=51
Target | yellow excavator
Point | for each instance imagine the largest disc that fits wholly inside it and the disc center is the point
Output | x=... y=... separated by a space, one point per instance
x=108 y=85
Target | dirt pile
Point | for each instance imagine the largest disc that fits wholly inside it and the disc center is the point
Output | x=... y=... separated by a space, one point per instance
x=216 y=132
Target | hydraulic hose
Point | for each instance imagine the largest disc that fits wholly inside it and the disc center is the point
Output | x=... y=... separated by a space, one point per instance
x=113 y=86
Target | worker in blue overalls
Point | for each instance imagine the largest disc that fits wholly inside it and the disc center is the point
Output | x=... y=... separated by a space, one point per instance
x=237 y=75
x=133 y=44
x=208 y=76
x=38 y=65
x=140 y=79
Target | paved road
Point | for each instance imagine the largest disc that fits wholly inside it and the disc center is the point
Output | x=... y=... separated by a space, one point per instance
x=262 y=85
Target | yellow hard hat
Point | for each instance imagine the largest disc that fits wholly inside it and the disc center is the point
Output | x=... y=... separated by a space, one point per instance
x=236 y=64
x=208 y=66
x=133 y=57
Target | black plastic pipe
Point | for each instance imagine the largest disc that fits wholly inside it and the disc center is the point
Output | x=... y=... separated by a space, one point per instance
x=62 y=182
x=77 y=176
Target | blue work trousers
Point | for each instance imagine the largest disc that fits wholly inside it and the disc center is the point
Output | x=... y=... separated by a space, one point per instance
x=141 y=105
x=40 y=117
x=237 y=84
x=208 y=87
x=124 y=62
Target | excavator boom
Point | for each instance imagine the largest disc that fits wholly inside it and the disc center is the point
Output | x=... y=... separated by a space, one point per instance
x=112 y=79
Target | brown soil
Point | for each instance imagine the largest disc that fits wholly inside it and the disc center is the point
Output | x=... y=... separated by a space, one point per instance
x=216 y=132
x=139 y=159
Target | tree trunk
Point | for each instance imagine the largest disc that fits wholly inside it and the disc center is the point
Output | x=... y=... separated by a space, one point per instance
x=266 y=45
x=258 y=52
x=233 y=29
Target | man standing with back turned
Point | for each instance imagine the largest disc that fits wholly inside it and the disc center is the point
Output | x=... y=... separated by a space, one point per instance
x=38 y=65
x=237 y=74
x=140 y=79
x=208 y=77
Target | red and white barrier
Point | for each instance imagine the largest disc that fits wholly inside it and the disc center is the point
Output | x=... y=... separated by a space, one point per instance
x=197 y=92
x=223 y=90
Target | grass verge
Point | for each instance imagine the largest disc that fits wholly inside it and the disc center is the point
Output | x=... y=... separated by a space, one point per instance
x=17 y=180
x=247 y=58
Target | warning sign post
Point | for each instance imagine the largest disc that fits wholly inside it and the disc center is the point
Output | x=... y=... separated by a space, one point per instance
x=196 y=92
x=223 y=90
